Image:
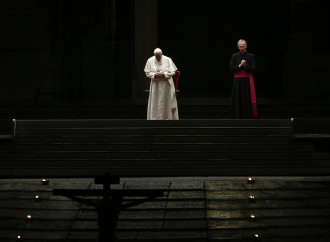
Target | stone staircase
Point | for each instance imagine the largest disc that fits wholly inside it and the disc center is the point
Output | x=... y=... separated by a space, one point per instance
x=141 y=148
x=164 y=155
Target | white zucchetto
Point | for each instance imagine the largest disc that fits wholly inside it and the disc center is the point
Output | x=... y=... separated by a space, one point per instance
x=157 y=50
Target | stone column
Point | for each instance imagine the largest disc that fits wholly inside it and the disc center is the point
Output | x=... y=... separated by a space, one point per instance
x=145 y=41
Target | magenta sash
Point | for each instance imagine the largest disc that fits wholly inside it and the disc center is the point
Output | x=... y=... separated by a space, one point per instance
x=243 y=73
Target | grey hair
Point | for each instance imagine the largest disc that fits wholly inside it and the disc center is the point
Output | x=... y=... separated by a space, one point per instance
x=242 y=40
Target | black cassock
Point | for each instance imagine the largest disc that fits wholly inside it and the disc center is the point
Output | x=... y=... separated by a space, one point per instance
x=241 y=101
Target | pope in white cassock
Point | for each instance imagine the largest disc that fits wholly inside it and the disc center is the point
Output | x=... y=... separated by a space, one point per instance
x=162 y=102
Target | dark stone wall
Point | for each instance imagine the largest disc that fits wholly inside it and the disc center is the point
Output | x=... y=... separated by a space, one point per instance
x=57 y=50
x=288 y=38
x=86 y=50
x=202 y=38
x=306 y=69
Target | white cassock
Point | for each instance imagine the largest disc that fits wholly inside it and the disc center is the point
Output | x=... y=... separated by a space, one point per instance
x=162 y=102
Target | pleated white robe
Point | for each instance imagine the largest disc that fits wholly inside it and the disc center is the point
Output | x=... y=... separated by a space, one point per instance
x=162 y=104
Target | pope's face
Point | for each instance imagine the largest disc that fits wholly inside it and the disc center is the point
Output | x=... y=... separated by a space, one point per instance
x=242 y=47
x=158 y=56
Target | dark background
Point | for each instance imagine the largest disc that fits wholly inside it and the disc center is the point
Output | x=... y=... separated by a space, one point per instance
x=206 y=35
x=88 y=50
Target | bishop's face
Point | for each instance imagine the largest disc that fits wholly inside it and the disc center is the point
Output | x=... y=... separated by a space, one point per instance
x=158 y=56
x=242 y=47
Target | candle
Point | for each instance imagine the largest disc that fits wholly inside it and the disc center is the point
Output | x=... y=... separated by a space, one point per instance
x=250 y=180
x=45 y=181
x=252 y=198
x=37 y=198
x=28 y=216
x=252 y=217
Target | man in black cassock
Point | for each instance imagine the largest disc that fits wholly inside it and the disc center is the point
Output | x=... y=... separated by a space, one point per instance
x=243 y=99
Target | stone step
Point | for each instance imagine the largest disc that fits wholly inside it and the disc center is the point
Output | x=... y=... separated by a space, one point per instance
x=311 y=125
x=79 y=139
x=155 y=155
x=175 y=146
x=129 y=110
x=158 y=148
x=310 y=168
x=278 y=234
x=171 y=130
x=90 y=123
x=285 y=210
